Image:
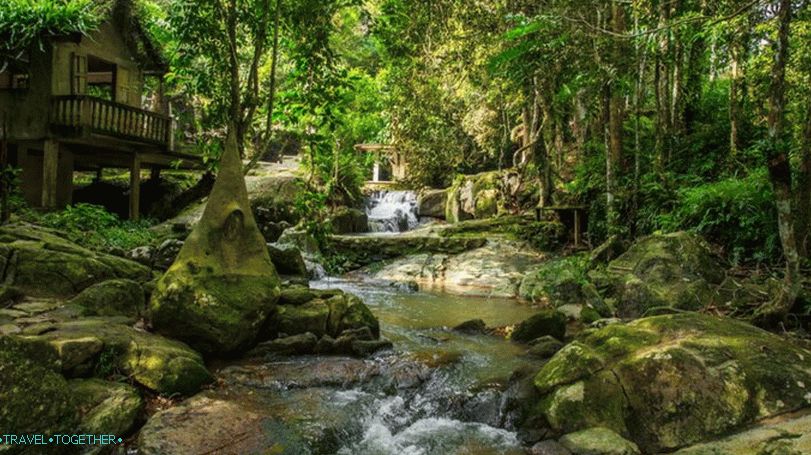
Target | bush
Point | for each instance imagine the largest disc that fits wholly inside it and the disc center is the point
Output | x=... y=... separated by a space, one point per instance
x=94 y=227
x=738 y=213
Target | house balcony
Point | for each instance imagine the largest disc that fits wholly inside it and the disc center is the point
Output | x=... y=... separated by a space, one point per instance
x=86 y=115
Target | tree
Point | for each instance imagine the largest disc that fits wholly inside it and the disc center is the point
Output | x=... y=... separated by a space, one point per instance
x=780 y=173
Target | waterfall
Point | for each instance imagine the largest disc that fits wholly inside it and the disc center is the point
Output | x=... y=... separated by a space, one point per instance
x=392 y=211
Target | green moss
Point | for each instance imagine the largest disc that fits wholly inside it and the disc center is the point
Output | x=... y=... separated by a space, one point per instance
x=35 y=397
x=545 y=322
x=112 y=298
x=106 y=407
x=222 y=286
x=166 y=366
x=683 y=378
x=584 y=404
x=311 y=317
x=572 y=363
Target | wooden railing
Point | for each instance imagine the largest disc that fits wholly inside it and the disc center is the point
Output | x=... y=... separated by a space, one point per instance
x=109 y=118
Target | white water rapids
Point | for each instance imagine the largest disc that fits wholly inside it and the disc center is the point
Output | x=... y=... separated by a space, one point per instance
x=392 y=211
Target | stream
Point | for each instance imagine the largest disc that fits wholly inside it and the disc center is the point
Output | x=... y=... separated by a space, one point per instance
x=437 y=392
x=457 y=409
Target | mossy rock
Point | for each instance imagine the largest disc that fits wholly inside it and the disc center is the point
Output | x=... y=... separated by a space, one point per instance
x=223 y=285
x=545 y=322
x=682 y=378
x=106 y=407
x=214 y=314
x=165 y=366
x=432 y=203
x=329 y=314
x=348 y=220
x=40 y=263
x=598 y=441
x=475 y=197
x=112 y=298
x=287 y=259
x=296 y=295
x=34 y=397
x=675 y=270
x=310 y=317
x=563 y=282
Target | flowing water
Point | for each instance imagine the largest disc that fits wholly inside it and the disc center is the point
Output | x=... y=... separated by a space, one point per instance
x=457 y=408
x=438 y=392
x=392 y=211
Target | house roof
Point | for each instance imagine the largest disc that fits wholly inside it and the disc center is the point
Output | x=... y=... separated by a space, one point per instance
x=122 y=13
x=141 y=43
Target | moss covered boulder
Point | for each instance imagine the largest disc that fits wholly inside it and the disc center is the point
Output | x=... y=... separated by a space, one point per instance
x=670 y=381
x=474 y=197
x=288 y=260
x=563 y=283
x=40 y=263
x=329 y=314
x=34 y=397
x=431 y=203
x=106 y=407
x=112 y=298
x=348 y=220
x=223 y=285
x=104 y=346
x=547 y=322
x=598 y=441
x=660 y=272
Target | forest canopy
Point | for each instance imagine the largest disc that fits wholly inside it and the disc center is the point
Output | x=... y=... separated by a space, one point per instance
x=657 y=115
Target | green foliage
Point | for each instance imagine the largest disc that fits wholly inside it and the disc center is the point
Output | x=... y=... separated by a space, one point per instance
x=94 y=227
x=311 y=208
x=23 y=23
x=541 y=235
x=738 y=213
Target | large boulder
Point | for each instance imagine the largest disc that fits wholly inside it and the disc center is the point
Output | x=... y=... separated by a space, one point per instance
x=288 y=260
x=112 y=298
x=492 y=270
x=222 y=286
x=326 y=313
x=273 y=201
x=474 y=197
x=347 y=220
x=547 y=322
x=791 y=436
x=40 y=263
x=34 y=397
x=661 y=272
x=431 y=203
x=103 y=346
x=669 y=381
x=106 y=407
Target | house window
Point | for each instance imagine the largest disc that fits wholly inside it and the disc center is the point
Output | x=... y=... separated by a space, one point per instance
x=100 y=77
x=14 y=79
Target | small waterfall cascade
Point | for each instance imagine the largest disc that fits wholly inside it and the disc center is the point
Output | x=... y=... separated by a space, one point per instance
x=392 y=211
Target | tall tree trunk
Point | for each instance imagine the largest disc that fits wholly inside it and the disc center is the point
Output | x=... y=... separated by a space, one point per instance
x=804 y=187
x=780 y=174
x=663 y=89
x=274 y=61
x=235 y=107
x=616 y=117
x=737 y=57
x=696 y=66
